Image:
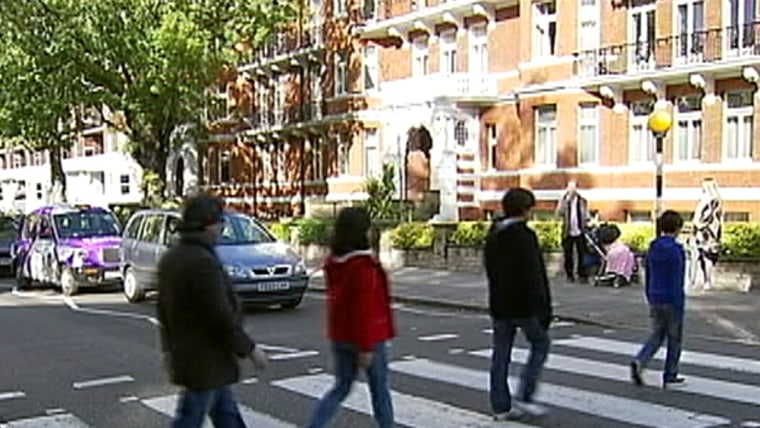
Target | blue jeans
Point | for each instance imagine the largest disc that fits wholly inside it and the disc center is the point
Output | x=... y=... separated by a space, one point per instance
x=345 y=359
x=218 y=403
x=667 y=322
x=503 y=338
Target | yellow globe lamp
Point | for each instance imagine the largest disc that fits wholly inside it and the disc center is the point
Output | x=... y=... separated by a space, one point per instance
x=659 y=122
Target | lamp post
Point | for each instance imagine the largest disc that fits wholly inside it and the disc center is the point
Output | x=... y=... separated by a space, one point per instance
x=659 y=123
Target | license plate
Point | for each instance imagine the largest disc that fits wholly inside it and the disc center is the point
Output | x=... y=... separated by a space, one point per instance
x=111 y=274
x=273 y=286
x=5 y=261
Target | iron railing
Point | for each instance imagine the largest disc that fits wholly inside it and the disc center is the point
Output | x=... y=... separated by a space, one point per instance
x=291 y=115
x=699 y=47
x=285 y=42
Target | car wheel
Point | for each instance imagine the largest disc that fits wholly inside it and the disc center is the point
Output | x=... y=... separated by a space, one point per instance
x=133 y=291
x=292 y=304
x=68 y=282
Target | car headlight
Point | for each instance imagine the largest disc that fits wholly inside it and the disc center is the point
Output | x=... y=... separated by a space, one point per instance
x=299 y=268
x=236 y=271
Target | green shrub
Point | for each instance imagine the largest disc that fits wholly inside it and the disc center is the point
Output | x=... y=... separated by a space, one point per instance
x=280 y=230
x=549 y=234
x=741 y=240
x=469 y=234
x=636 y=235
x=407 y=236
x=313 y=231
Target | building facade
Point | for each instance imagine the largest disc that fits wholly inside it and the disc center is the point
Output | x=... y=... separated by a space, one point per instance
x=469 y=97
x=98 y=172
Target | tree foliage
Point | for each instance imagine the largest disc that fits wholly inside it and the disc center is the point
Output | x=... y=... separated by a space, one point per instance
x=380 y=201
x=150 y=61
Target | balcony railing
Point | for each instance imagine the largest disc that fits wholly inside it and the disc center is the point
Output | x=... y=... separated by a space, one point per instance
x=289 y=116
x=700 y=47
x=441 y=85
x=286 y=42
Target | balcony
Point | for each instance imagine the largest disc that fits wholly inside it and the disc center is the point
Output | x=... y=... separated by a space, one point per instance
x=718 y=49
x=460 y=87
x=283 y=46
x=395 y=18
x=291 y=117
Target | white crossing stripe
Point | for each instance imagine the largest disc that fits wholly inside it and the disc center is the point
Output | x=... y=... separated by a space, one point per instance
x=103 y=381
x=438 y=337
x=292 y=355
x=607 y=406
x=694 y=384
x=408 y=410
x=168 y=404
x=703 y=359
x=55 y=421
x=11 y=395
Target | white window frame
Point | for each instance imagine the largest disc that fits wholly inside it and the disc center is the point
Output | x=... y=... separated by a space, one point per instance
x=741 y=113
x=492 y=142
x=688 y=38
x=371 y=69
x=448 y=52
x=540 y=30
x=125 y=185
x=340 y=75
x=317 y=167
x=648 y=46
x=420 y=57
x=584 y=122
x=691 y=118
x=550 y=128
x=589 y=14
x=339 y=8
x=281 y=162
x=745 y=42
x=478 y=40
x=344 y=156
x=224 y=156
x=639 y=122
x=372 y=167
x=280 y=91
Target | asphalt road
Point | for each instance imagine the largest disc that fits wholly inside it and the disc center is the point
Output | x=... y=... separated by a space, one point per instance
x=93 y=361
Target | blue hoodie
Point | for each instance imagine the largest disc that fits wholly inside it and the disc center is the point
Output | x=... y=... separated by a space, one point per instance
x=665 y=272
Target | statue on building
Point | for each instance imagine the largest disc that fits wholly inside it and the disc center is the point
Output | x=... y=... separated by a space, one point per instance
x=706 y=234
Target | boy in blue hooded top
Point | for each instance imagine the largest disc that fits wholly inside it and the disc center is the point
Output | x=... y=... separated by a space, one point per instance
x=665 y=269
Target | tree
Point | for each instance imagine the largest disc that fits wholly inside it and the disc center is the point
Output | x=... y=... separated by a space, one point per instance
x=154 y=60
x=40 y=89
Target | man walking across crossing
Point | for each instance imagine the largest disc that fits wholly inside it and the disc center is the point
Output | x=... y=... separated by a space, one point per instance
x=519 y=297
x=665 y=270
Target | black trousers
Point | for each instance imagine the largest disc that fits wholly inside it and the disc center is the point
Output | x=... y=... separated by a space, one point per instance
x=574 y=247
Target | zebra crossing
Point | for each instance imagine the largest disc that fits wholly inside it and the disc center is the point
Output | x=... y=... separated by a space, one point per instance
x=585 y=379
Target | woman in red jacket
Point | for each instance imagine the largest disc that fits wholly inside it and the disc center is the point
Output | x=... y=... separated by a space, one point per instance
x=359 y=318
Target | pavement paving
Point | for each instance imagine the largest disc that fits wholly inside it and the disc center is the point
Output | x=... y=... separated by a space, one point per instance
x=721 y=315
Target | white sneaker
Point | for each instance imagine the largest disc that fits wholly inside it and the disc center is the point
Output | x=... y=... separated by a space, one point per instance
x=532 y=409
x=512 y=415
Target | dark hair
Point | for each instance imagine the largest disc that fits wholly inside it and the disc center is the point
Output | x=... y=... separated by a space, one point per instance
x=350 y=231
x=670 y=222
x=517 y=201
x=201 y=211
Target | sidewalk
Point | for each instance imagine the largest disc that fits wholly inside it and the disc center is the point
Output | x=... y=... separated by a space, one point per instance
x=720 y=315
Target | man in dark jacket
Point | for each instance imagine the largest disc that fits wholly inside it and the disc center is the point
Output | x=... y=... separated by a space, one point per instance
x=573 y=209
x=518 y=296
x=202 y=333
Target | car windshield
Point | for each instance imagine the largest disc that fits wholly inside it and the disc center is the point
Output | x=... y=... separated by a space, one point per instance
x=80 y=224
x=239 y=229
x=7 y=228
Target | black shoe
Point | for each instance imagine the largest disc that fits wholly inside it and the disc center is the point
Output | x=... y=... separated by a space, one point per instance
x=570 y=279
x=675 y=381
x=636 y=373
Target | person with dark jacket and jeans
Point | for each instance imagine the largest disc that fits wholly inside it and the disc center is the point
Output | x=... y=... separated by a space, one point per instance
x=573 y=209
x=359 y=318
x=518 y=297
x=202 y=333
x=665 y=270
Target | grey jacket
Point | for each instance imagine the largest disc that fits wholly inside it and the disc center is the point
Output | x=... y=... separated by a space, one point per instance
x=563 y=211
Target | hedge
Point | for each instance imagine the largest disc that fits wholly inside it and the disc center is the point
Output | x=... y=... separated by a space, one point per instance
x=412 y=236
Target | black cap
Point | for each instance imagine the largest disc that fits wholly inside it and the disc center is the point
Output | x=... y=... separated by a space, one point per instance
x=201 y=211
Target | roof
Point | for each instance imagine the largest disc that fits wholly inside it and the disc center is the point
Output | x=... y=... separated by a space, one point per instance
x=64 y=208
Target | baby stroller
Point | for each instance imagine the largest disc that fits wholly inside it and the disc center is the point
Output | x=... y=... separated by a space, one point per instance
x=615 y=263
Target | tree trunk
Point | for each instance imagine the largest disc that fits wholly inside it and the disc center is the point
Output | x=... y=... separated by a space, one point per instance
x=57 y=175
x=153 y=162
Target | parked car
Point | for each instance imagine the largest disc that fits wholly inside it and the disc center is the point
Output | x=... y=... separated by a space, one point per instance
x=8 y=231
x=68 y=246
x=262 y=270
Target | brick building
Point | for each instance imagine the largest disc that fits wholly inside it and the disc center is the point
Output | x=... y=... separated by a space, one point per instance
x=530 y=93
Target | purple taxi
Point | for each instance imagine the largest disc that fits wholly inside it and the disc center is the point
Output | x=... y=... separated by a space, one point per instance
x=69 y=247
